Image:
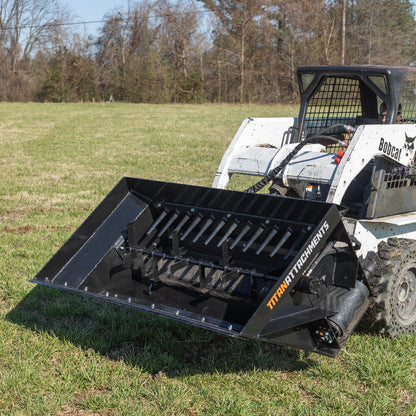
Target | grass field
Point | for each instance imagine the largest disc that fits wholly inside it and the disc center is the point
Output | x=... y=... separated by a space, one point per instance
x=61 y=354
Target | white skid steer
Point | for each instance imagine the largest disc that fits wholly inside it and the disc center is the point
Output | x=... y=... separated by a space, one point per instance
x=333 y=243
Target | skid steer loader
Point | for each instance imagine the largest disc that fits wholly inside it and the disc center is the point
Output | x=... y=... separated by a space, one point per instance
x=332 y=243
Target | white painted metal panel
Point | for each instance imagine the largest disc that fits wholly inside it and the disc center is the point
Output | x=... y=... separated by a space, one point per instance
x=266 y=134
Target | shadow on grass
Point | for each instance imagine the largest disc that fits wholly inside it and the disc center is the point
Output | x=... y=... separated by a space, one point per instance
x=152 y=343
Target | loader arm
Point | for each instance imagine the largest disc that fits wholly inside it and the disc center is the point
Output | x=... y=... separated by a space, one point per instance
x=254 y=147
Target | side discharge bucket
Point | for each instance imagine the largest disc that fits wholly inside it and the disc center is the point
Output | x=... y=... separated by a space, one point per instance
x=254 y=266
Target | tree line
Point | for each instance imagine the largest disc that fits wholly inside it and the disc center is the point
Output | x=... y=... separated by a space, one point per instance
x=160 y=51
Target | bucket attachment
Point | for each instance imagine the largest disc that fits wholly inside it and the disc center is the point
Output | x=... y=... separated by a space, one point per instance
x=253 y=266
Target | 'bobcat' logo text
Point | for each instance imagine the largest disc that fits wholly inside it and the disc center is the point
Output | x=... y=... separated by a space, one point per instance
x=388 y=149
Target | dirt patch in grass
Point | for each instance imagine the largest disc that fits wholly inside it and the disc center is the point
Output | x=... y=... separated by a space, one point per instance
x=29 y=228
x=75 y=409
x=406 y=398
x=24 y=229
x=13 y=215
x=72 y=411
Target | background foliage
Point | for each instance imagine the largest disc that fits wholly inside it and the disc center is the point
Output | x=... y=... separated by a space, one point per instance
x=159 y=51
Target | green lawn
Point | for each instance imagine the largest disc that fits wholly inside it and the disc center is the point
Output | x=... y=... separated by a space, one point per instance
x=61 y=354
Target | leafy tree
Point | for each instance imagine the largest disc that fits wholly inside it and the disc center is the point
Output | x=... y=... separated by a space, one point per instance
x=23 y=27
x=156 y=52
x=235 y=40
x=380 y=32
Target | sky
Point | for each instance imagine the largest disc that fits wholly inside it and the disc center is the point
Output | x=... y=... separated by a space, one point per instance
x=92 y=10
x=95 y=10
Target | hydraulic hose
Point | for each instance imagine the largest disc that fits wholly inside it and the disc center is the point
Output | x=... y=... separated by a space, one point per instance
x=274 y=172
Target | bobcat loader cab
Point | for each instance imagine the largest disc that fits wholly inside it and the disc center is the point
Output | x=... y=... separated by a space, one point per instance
x=371 y=176
x=298 y=267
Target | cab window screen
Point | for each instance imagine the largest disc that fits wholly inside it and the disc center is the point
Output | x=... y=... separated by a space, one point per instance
x=336 y=100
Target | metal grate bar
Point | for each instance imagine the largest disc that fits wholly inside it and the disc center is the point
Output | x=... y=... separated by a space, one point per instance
x=337 y=100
